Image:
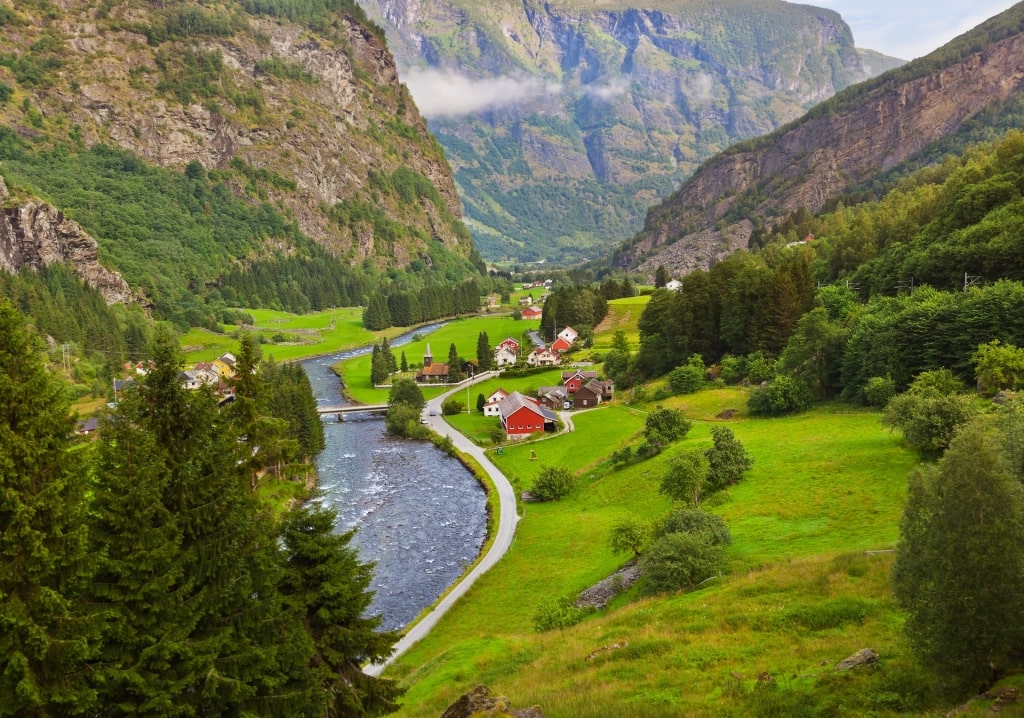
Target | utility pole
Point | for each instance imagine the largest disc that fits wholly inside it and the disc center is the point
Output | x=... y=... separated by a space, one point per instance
x=65 y=358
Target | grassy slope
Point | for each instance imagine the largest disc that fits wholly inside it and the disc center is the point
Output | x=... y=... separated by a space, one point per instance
x=838 y=489
x=623 y=314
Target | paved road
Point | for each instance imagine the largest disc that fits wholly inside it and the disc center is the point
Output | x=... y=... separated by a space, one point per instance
x=507 y=520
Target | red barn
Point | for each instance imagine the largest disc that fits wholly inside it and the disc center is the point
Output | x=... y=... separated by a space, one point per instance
x=532 y=313
x=522 y=416
x=573 y=380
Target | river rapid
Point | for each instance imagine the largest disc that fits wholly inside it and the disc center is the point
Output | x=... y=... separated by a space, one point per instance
x=420 y=514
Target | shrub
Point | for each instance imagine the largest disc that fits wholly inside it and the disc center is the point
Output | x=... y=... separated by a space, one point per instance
x=696 y=523
x=553 y=482
x=558 y=613
x=452 y=406
x=879 y=390
x=630 y=533
x=927 y=418
x=783 y=395
x=733 y=369
x=759 y=368
x=728 y=460
x=686 y=379
x=680 y=561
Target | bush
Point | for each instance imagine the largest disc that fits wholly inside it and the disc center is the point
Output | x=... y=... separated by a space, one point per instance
x=879 y=390
x=452 y=406
x=686 y=379
x=783 y=395
x=759 y=368
x=927 y=418
x=733 y=369
x=696 y=523
x=630 y=533
x=680 y=562
x=553 y=482
x=558 y=613
x=404 y=420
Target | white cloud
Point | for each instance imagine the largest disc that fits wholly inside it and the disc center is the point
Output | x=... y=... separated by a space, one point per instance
x=607 y=91
x=444 y=93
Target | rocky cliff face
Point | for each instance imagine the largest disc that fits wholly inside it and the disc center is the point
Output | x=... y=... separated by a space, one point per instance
x=861 y=132
x=34 y=235
x=587 y=113
x=317 y=114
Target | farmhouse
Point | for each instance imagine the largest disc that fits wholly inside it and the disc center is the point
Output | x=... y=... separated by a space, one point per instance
x=589 y=395
x=573 y=380
x=553 y=397
x=491 y=403
x=542 y=356
x=522 y=416
x=504 y=356
x=533 y=312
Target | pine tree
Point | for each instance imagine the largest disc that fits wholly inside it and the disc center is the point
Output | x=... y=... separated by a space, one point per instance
x=454 y=365
x=325 y=583
x=484 y=354
x=44 y=556
x=389 y=356
x=404 y=366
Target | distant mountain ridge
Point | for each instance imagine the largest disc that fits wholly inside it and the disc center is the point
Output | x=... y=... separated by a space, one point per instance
x=598 y=110
x=859 y=134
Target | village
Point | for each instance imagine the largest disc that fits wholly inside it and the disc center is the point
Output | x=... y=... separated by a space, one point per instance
x=521 y=416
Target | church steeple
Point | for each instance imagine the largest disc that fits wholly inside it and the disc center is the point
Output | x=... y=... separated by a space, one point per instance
x=427 y=358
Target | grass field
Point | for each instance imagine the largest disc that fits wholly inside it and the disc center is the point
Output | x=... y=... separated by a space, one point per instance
x=288 y=337
x=462 y=332
x=623 y=314
x=825 y=487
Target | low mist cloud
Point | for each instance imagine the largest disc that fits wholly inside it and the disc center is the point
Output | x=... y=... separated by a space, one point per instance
x=607 y=91
x=443 y=93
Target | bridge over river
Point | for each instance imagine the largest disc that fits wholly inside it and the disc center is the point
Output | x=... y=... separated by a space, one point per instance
x=340 y=411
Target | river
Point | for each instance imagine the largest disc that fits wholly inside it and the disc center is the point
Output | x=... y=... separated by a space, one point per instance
x=420 y=514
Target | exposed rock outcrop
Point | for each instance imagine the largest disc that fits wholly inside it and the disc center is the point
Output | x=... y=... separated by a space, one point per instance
x=34 y=235
x=480 y=703
x=863 y=657
x=598 y=110
x=820 y=156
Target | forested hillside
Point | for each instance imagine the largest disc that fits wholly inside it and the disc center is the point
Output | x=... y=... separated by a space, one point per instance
x=244 y=153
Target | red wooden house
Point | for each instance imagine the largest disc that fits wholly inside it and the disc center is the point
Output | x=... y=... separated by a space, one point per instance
x=522 y=416
x=573 y=380
x=532 y=313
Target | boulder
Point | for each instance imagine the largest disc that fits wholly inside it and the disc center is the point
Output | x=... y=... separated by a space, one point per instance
x=863 y=657
x=479 y=703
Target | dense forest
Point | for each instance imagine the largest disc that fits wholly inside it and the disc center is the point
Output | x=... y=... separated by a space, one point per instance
x=141 y=572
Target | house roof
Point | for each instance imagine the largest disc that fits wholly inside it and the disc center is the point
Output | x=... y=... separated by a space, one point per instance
x=566 y=375
x=516 y=401
x=594 y=385
x=437 y=369
x=497 y=395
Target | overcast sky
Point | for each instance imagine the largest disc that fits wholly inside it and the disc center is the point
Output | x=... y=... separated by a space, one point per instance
x=908 y=29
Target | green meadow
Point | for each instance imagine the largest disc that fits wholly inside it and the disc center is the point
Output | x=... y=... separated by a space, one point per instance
x=463 y=333
x=623 y=314
x=812 y=525
x=287 y=337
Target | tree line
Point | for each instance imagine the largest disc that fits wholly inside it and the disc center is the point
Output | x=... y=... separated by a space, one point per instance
x=142 y=574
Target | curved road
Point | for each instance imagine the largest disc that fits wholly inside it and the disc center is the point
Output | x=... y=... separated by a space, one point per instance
x=507 y=519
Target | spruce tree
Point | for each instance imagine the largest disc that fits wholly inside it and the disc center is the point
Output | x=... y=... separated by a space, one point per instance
x=454 y=365
x=44 y=555
x=484 y=354
x=325 y=583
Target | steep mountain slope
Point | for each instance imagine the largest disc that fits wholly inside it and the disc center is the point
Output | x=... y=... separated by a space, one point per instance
x=839 y=145
x=294 y=105
x=565 y=120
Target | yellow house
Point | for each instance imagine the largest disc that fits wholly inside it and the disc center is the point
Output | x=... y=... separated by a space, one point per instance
x=225 y=365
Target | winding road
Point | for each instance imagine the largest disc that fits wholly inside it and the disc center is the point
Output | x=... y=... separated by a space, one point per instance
x=507 y=520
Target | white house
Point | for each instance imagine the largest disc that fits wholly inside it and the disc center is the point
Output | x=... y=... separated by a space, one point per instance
x=492 y=402
x=673 y=285
x=504 y=356
x=543 y=357
x=568 y=334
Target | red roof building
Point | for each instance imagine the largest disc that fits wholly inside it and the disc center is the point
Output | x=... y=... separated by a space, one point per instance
x=522 y=416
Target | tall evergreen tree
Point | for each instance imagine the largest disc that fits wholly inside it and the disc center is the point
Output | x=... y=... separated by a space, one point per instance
x=328 y=586
x=44 y=555
x=484 y=353
x=454 y=364
x=389 y=356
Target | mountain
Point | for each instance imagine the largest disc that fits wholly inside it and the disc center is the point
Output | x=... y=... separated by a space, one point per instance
x=848 y=147
x=565 y=120
x=292 y=109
